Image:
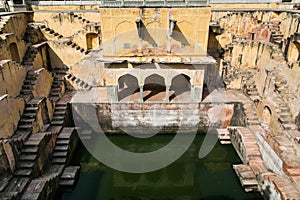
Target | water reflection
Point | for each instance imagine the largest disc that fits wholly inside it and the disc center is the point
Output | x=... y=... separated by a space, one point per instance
x=187 y=178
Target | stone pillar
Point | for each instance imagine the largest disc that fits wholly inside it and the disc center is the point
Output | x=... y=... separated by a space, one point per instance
x=196 y=94
x=141 y=94
x=112 y=92
x=167 y=93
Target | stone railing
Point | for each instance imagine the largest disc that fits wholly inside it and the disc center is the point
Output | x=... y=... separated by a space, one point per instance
x=125 y=3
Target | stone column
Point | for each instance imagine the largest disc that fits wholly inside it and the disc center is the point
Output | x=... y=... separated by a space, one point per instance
x=196 y=94
x=113 y=93
x=167 y=93
x=141 y=94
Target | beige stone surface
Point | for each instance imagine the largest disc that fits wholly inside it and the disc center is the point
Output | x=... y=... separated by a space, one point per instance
x=43 y=84
x=11 y=110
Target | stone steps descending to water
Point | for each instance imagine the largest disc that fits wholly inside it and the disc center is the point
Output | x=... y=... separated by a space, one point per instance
x=247 y=177
x=69 y=176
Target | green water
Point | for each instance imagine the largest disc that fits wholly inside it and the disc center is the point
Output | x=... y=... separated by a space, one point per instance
x=187 y=178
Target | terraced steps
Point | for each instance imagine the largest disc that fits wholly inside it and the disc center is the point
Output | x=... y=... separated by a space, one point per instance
x=59 y=114
x=78 y=82
x=30 y=114
x=61 y=152
x=29 y=57
x=58 y=87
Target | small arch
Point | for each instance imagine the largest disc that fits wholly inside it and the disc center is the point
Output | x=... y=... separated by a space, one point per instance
x=267 y=114
x=154 y=88
x=14 y=52
x=91 y=40
x=128 y=88
x=180 y=88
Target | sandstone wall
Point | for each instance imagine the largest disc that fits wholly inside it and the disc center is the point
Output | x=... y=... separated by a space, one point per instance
x=120 y=34
x=61 y=54
x=11 y=110
x=43 y=84
x=12 y=77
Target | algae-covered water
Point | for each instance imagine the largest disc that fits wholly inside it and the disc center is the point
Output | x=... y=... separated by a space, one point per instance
x=187 y=178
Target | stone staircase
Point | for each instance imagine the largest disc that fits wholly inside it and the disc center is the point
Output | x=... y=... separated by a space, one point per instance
x=41 y=187
x=80 y=18
x=73 y=45
x=15 y=187
x=29 y=57
x=69 y=176
x=250 y=112
x=249 y=87
x=276 y=35
x=57 y=87
x=29 y=83
x=59 y=114
x=29 y=115
x=61 y=153
x=51 y=32
x=27 y=166
x=78 y=82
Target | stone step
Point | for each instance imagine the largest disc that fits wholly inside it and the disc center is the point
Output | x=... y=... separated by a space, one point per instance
x=31 y=109
x=59 y=113
x=61 y=107
x=29 y=115
x=25 y=126
x=62 y=141
x=29 y=82
x=32 y=150
x=25 y=120
x=286 y=120
x=23 y=91
x=27 y=87
x=53 y=94
x=66 y=133
x=60 y=154
x=8 y=195
x=28 y=157
x=67 y=183
x=23 y=172
x=59 y=160
x=24 y=165
x=290 y=126
x=60 y=122
x=58 y=118
x=61 y=148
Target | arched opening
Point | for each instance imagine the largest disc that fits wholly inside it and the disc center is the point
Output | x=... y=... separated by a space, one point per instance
x=154 y=88
x=128 y=88
x=267 y=115
x=14 y=52
x=91 y=40
x=180 y=89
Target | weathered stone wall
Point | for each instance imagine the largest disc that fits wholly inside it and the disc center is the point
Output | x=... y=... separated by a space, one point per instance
x=12 y=77
x=74 y=26
x=43 y=84
x=165 y=118
x=14 y=30
x=120 y=33
x=61 y=54
x=11 y=110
